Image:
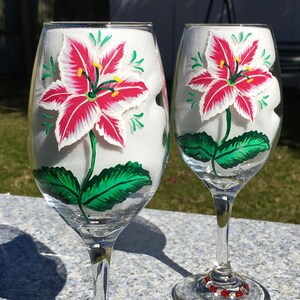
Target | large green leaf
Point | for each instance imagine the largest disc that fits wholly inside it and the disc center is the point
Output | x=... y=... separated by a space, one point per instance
x=58 y=183
x=199 y=146
x=114 y=185
x=241 y=148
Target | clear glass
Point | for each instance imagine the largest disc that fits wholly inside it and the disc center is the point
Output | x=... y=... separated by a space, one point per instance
x=98 y=129
x=226 y=113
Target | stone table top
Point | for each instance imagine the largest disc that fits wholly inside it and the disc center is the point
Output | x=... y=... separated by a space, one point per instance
x=42 y=258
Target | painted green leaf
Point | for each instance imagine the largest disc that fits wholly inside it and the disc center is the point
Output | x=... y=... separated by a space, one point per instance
x=241 y=148
x=139 y=68
x=140 y=61
x=46 y=75
x=46 y=67
x=114 y=185
x=107 y=38
x=199 y=146
x=134 y=54
x=93 y=38
x=58 y=183
x=52 y=64
x=99 y=36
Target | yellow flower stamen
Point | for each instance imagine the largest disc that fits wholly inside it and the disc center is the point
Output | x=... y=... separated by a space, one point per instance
x=79 y=72
x=118 y=79
x=222 y=62
x=115 y=93
x=249 y=68
x=250 y=80
x=95 y=64
x=236 y=59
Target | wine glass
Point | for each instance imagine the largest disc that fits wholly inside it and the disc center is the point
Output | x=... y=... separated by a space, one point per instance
x=227 y=113
x=98 y=129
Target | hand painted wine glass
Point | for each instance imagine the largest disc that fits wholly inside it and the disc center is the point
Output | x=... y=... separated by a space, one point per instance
x=227 y=117
x=98 y=129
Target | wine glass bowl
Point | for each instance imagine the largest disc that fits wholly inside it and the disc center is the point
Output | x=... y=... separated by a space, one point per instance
x=226 y=112
x=98 y=128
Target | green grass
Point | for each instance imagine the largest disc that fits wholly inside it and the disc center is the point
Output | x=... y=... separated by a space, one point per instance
x=15 y=175
x=273 y=194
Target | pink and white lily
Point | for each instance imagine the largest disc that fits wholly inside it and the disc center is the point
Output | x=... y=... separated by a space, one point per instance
x=93 y=93
x=232 y=77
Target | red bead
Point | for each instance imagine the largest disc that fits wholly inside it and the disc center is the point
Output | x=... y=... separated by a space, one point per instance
x=239 y=294
x=213 y=288
x=246 y=286
x=206 y=279
x=225 y=293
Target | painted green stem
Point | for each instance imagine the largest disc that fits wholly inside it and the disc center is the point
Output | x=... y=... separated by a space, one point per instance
x=96 y=81
x=102 y=87
x=213 y=164
x=228 y=128
x=93 y=158
x=90 y=172
x=228 y=123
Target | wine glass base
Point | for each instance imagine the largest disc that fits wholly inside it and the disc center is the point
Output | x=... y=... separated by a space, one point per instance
x=197 y=287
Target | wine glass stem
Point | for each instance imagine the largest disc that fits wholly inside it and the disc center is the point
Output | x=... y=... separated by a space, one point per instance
x=222 y=272
x=100 y=259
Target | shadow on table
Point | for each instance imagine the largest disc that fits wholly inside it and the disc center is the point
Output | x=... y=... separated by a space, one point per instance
x=143 y=237
x=29 y=270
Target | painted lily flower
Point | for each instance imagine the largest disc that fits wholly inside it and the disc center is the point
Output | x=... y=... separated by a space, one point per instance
x=92 y=93
x=232 y=77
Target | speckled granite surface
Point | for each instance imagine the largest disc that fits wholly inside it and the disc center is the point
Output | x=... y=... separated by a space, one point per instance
x=42 y=258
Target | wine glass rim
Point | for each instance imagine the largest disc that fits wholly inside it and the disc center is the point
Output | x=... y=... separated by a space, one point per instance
x=260 y=25
x=102 y=24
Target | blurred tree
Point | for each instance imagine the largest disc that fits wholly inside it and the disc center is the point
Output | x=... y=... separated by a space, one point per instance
x=78 y=10
x=17 y=35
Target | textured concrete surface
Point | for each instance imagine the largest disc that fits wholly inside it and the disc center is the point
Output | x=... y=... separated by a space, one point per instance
x=42 y=258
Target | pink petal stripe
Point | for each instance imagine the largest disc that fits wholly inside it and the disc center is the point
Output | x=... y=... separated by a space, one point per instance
x=54 y=96
x=247 y=55
x=76 y=118
x=111 y=129
x=261 y=79
x=216 y=99
x=201 y=81
x=74 y=55
x=219 y=50
x=245 y=107
x=111 y=60
x=129 y=94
